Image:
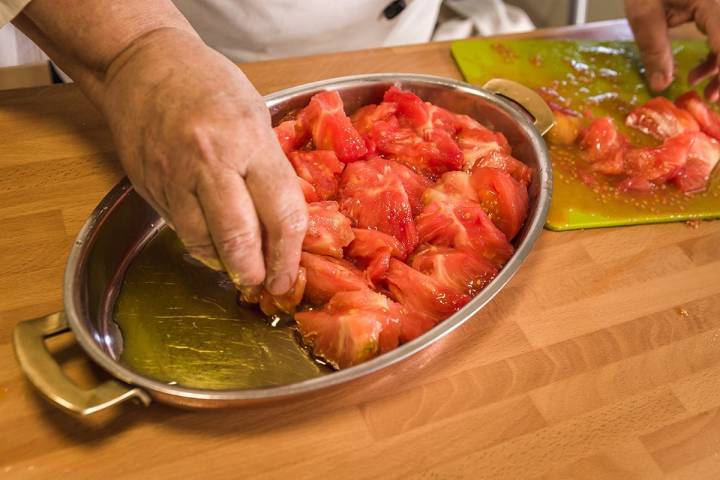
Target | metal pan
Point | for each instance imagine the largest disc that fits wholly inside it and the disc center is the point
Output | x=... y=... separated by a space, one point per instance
x=122 y=223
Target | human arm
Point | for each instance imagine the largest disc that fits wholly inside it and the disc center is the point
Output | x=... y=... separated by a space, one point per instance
x=191 y=131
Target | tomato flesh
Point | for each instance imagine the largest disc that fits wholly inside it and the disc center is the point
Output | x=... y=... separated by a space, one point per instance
x=328 y=231
x=660 y=118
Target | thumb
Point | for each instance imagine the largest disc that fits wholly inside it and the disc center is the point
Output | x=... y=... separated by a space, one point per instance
x=649 y=25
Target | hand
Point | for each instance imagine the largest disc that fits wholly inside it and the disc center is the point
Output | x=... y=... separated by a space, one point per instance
x=650 y=20
x=195 y=140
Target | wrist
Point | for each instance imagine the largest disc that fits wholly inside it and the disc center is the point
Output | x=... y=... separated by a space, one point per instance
x=146 y=61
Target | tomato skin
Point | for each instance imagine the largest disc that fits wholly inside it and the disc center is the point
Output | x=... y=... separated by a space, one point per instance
x=703 y=158
x=328 y=230
x=330 y=128
x=601 y=140
x=659 y=164
x=660 y=118
x=504 y=199
x=320 y=168
x=707 y=119
x=327 y=276
x=508 y=164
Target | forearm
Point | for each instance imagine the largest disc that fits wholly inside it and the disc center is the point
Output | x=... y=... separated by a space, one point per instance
x=91 y=40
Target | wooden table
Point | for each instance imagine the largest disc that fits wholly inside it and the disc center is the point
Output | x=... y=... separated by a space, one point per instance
x=601 y=359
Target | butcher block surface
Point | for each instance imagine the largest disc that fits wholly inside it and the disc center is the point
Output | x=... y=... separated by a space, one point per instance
x=601 y=358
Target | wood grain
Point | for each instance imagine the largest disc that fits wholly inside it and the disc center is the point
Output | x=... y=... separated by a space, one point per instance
x=601 y=358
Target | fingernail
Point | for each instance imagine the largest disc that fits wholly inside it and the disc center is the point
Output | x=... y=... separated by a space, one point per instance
x=658 y=81
x=280 y=284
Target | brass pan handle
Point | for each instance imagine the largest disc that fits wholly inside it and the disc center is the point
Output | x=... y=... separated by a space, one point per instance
x=46 y=375
x=527 y=99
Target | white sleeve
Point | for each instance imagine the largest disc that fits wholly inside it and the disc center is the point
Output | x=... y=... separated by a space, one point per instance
x=9 y=9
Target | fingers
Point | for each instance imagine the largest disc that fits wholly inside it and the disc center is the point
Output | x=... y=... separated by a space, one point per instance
x=708 y=20
x=705 y=70
x=189 y=224
x=233 y=226
x=281 y=207
x=649 y=25
x=712 y=91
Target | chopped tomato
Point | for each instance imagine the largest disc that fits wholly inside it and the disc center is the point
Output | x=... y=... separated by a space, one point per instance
x=659 y=164
x=454 y=268
x=432 y=154
x=320 y=168
x=703 y=157
x=708 y=119
x=308 y=191
x=328 y=230
x=352 y=328
x=503 y=198
x=444 y=119
x=395 y=170
x=364 y=119
x=508 y=164
x=327 y=275
x=290 y=137
x=331 y=129
x=287 y=302
x=636 y=184
x=660 y=118
x=455 y=183
x=479 y=142
x=414 y=184
x=422 y=293
x=461 y=223
x=602 y=139
x=374 y=197
x=410 y=107
x=413 y=323
x=373 y=250
x=614 y=164
x=465 y=122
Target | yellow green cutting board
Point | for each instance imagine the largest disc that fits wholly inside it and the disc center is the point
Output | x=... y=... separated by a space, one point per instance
x=604 y=78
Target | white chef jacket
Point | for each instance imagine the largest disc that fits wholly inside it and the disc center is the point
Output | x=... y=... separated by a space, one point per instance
x=247 y=30
x=260 y=30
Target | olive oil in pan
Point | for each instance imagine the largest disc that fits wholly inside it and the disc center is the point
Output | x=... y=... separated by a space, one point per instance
x=181 y=324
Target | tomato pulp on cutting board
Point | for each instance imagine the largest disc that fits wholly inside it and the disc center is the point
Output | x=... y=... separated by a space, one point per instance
x=606 y=79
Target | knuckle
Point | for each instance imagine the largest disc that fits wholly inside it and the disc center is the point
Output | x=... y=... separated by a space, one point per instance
x=240 y=241
x=294 y=222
